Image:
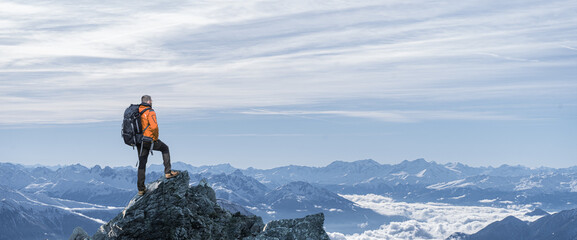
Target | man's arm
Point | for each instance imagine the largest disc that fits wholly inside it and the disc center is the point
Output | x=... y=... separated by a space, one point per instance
x=153 y=124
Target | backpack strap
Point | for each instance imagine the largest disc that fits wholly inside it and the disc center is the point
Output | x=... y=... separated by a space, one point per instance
x=144 y=130
x=141 y=112
x=144 y=110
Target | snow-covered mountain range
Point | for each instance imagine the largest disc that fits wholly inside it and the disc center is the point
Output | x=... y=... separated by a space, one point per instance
x=423 y=181
x=94 y=195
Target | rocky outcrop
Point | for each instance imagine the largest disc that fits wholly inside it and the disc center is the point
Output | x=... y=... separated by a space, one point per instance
x=171 y=209
x=79 y=234
x=309 y=227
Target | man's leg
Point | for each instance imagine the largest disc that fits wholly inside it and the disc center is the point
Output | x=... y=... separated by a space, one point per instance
x=161 y=146
x=142 y=159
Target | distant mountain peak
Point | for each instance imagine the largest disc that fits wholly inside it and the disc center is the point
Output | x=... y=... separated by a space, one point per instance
x=415 y=166
x=298 y=187
x=537 y=212
x=418 y=162
x=365 y=162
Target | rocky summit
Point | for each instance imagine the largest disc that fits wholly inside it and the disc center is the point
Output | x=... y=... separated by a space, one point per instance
x=171 y=209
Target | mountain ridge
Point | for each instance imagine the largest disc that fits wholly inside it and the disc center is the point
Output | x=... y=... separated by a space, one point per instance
x=558 y=226
x=97 y=192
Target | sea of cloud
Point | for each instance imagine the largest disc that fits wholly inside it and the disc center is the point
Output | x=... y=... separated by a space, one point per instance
x=429 y=220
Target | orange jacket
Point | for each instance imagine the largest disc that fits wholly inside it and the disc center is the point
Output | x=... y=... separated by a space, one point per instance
x=148 y=119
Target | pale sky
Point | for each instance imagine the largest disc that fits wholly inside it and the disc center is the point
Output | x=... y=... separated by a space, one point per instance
x=272 y=83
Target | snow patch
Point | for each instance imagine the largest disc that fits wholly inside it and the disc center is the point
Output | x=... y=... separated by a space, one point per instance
x=421 y=174
x=453 y=184
x=527 y=183
x=459 y=197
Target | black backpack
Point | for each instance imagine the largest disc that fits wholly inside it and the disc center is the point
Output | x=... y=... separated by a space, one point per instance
x=132 y=125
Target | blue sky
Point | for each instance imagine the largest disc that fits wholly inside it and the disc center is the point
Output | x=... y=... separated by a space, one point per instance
x=274 y=83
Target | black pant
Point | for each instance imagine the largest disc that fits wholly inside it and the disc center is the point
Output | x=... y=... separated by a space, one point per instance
x=143 y=158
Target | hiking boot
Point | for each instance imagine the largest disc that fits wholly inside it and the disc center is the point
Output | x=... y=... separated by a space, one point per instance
x=171 y=174
x=140 y=193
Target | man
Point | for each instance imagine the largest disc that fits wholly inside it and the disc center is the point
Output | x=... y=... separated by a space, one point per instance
x=150 y=142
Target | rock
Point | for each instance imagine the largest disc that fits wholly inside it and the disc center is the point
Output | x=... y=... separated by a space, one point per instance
x=309 y=227
x=458 y=236
x=233 y=207
x=79 y=234
x=171 y=209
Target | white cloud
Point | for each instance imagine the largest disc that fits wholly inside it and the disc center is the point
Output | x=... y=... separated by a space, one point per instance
x=429 y=220
x=59 y=56
x=390 y=116
x=572 y=48
x=17 y=9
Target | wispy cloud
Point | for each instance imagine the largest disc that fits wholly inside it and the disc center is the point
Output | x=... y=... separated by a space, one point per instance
x=58 y=57
x=390 y=116
x=254 y=135
x=572 y=48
